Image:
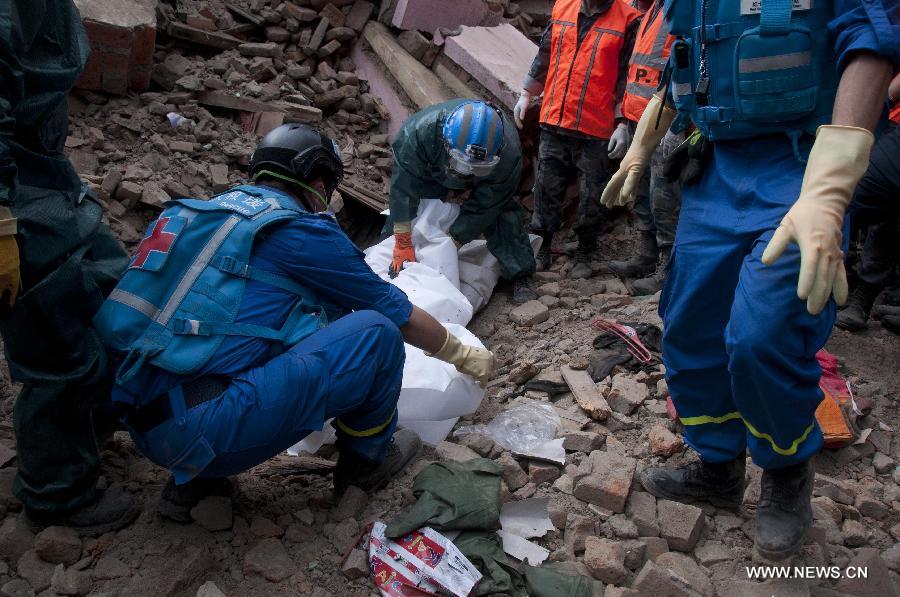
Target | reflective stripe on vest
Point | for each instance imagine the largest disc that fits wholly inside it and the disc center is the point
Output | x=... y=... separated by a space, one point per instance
x=581 y=81
x=651 y=53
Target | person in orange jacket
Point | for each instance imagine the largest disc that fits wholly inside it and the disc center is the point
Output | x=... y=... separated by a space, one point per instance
x=581 y=68
x=658 y=198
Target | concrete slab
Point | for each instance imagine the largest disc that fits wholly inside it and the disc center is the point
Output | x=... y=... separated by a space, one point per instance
x=430 y=15
x=370 y=68
x=497 y=57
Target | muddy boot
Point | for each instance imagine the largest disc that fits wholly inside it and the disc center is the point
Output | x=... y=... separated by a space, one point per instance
x=721 y=483
x=784 y=513
x=113 y=509
x=890 y=317
x=177 y=500
x=653 y=284
x=353 y=469
x=854 y=316
x=544 y=257
x=642 y=264
x=587 y=244
x=522 y=290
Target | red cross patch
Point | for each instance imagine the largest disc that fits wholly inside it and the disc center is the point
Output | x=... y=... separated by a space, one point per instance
x=151 y=254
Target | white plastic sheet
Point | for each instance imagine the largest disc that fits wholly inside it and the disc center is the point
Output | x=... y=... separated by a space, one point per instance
x=451 y=286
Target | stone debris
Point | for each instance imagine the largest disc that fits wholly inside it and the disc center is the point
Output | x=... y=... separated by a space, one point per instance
x=213 y=513
x=680 y=524
x=58 y=545
x=209 y=589
x=531 y=313
x=269 y=560
x=605 y=559
x=604 y=479
x=626 y=394
x=351 y=504
x=663 y=442
x=587 y=396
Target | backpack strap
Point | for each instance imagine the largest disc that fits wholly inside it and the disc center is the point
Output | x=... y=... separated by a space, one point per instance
x=775 y=17
x=241 y=269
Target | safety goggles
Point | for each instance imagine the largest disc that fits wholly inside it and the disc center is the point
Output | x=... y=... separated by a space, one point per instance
x=466 y=167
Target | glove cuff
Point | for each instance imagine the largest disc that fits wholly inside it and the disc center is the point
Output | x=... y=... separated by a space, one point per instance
x=8 y=226
x=450 y=351
x=402 y=227
x=842 y=152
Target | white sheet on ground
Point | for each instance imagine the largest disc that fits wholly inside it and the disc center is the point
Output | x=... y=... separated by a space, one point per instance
x=451 y=286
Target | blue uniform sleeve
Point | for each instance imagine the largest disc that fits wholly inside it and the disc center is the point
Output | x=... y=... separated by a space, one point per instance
x=868 y=26
x=316 y=252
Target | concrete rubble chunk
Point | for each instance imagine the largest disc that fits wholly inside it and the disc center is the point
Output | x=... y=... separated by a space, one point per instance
x=605 y=559
x=219 y=175
x=213 y=513
x=587 y=395
x=35 y=570
x=421 y=85
x=512 y=473
x=359 y=15
x=357 y=565
x=351 y=504
x=455 y=452
x=686 y=568
x=583 y=441
x=70 y=581
x=542 y=472
x=656 y=580
x=497 y=57
x=264 y=528
x=663 y=442
x=109 y=567
x=414 y=43
x=431 y=15
x=531 y=313
x=58 y=545
x=604 y=479
x=209 y=589
x=15 y=538
x=680 y=524
x=269 y=560
x=17 y=587
x=123 y=38
x=626 y=394
x=641 y=508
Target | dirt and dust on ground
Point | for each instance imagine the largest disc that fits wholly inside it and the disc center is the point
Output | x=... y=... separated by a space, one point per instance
x=283 y=533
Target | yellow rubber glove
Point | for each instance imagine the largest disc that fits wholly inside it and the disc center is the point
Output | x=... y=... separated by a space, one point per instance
x=475 y=362
x=621 y=187
x=404 y=252
x=838 y=160
x=9 y=260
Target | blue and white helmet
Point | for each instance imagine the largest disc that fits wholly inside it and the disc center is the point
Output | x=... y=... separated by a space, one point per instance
x=473 y=134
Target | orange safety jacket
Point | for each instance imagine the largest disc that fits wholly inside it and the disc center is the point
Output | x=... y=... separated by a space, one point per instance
x=580 y=91
x=648 y=61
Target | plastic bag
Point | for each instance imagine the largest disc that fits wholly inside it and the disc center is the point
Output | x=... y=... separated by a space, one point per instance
x=524 y=428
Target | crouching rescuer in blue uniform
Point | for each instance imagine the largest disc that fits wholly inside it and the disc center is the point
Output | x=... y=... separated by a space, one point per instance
x=245 y=322
x=788 y=100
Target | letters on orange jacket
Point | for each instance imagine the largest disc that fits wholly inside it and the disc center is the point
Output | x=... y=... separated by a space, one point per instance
x=580 y=91
x=648 y=61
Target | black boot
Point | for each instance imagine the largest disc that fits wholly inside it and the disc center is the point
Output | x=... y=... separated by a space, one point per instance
x=113 y=509
x=522 y=290
x=854 y=316
x=721 y=483
x=353 y=469
x=545 y=257
x=652 y=284
x=587 y=244
x=642 y=264
x=784 y=513
x=177 y=500
x=889 y=315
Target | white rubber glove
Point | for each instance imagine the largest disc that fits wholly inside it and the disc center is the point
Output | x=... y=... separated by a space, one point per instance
x=521 y=107
x=475 y=362
x=838 y=160
x=619 y=141
x=621 y=187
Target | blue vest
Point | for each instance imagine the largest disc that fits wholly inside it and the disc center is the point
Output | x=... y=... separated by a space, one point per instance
x=753 y=67
x=184 y=285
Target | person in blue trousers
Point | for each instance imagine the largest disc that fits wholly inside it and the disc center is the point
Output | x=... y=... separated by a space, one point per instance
x=246 y=322
x=788 y=95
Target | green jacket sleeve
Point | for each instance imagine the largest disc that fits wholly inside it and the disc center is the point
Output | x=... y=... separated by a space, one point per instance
x=412 y=180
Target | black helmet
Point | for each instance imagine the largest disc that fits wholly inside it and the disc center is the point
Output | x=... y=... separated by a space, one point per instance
x=301 y=152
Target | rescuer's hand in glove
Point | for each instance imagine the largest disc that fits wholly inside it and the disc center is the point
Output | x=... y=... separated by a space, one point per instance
x=838 y=160
x=403 y=248
x=621 y=187
x=9 y=261
x=475 y=362
x=521 y=107
x=618 y=142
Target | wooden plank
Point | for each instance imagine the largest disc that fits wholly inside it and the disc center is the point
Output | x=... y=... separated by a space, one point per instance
x=213 y=39
x=245 y=14
x=422 y=86
x=224 y=99
x=286 y=465
x=363 y=196
x=586 y=393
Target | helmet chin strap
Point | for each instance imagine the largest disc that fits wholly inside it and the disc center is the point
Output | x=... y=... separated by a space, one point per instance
x=288 y=179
